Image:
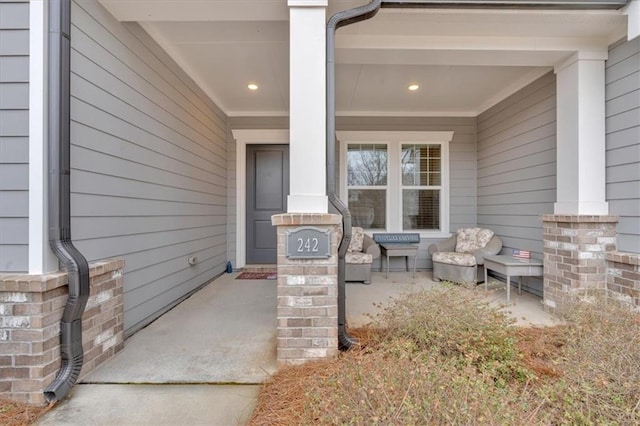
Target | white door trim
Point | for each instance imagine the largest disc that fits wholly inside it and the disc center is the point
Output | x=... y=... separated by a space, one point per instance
x=243 y=138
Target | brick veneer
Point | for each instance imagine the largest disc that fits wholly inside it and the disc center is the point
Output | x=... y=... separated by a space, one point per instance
x=307 y=294
x=575 y=247
x=623 y=278
x=30 y=311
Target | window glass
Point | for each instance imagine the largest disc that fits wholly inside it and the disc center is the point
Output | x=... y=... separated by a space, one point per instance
x=420 y=209
x=367 y=169
x=368 y=208
x=367 y=165
x=421 y=172
x=421 y=165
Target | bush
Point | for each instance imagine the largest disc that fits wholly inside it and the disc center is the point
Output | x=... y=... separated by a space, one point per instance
x=444 y=357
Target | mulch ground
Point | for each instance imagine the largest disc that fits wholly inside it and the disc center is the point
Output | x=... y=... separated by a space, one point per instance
x=19 y=414
x=283 y=399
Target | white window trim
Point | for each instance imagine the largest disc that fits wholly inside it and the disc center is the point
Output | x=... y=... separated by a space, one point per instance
x=394 y=141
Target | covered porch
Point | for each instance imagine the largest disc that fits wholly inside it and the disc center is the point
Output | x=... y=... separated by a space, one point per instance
x=530 y=116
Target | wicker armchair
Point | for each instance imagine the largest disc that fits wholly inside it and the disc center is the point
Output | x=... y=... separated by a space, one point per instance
x=360 y=255
x=460 y=258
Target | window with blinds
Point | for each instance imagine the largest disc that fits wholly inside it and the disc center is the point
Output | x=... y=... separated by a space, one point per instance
x=396 y=181
x=421 y=166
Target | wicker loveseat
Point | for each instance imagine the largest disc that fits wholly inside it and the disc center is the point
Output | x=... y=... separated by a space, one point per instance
x=460 y=258
x=360 y=255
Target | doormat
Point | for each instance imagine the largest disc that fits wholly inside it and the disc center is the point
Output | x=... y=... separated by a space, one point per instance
x=257 y=276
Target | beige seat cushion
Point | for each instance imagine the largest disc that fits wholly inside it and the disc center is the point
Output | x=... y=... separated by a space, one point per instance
x=451 y=258
x=469 y=240
x=358 y=258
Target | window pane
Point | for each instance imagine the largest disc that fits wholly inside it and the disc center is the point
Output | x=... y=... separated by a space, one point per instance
x=366 y=165
x=421 y=165
x=368 y=208
x=420 y=209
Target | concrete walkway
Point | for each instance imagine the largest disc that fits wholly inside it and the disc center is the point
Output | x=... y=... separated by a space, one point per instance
x=203 y=361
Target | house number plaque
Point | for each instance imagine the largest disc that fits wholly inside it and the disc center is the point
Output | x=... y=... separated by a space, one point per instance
x=308 y=243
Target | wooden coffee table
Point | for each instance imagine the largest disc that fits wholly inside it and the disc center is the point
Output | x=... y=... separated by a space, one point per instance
x=509 y=266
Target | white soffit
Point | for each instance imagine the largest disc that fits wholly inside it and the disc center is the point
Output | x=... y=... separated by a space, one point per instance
x=464 y=60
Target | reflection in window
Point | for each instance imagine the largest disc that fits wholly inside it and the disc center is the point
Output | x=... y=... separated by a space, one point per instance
x=367 y=165
x=366 y=182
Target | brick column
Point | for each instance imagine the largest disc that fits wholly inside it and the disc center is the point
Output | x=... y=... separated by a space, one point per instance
x=31 y=307
x=575 y=249
x=623 y=278
x=307 y=292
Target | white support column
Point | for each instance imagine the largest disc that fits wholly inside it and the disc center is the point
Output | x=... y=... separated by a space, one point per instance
x=581 y=136
x=632 y=10
x=41 y=258
x=307 y=109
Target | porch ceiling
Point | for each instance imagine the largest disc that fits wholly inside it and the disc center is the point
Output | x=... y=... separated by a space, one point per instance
x=464 y=60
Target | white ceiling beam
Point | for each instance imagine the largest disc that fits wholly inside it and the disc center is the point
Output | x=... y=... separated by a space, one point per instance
x=197 y=10
x=460 y=57
x=426 y=50
x=372 y=41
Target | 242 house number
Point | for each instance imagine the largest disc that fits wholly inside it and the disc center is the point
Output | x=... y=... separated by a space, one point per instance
x=308 y=245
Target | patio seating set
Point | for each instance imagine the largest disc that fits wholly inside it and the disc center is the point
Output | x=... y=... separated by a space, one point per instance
x=462 y=258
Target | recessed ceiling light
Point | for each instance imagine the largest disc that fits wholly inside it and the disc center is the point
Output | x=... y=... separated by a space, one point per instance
x=252 y=86
x=413 y=87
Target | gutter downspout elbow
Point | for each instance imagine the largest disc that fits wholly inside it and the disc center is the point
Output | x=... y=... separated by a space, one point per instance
x=59 y=197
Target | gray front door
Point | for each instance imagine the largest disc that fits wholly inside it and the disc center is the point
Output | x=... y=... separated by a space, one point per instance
x=267 y=190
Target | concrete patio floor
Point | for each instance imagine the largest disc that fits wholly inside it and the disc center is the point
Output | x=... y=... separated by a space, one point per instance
x=203 y=361
x=363 y=301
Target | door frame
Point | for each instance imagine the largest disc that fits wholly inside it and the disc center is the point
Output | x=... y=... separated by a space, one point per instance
x=243 y=138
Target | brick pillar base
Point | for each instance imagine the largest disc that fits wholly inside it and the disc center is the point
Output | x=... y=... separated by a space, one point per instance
x=623 y=279
x=30 y=311
x=575 y=249
x=307 y=292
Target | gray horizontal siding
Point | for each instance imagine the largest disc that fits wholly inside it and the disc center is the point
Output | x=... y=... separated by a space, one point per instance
x=517 y=167
x=14 y=136
x=623 y=141
x=149 y=164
